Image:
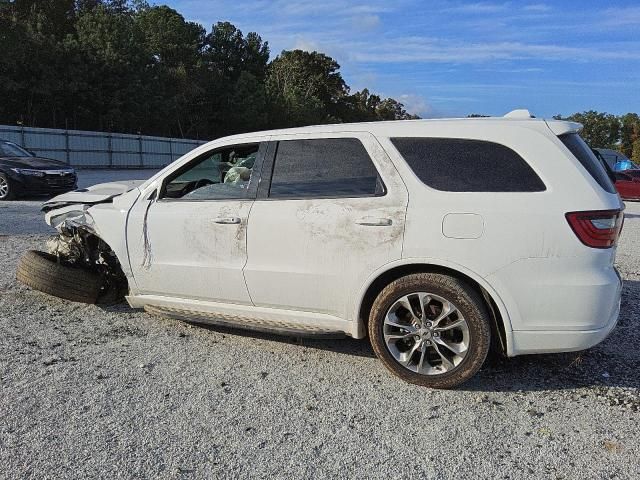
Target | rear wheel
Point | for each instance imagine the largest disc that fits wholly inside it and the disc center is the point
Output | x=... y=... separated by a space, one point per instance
x=41 y=271
x=7 y=191
x=430 y=329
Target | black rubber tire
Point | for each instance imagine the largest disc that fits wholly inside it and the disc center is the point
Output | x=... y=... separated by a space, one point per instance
x=11 y=194
x=467 y=300
x=41 y=271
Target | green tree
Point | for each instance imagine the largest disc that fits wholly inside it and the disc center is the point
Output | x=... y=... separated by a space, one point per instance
x=234 y=68
x=113 y=44
x=390 y=109
x=47 y=18
x=123 y=65
x=364 y=106
x=635 y=154
x=173 y=47
x=305 y=88
x=601 y=130
x=629 y=133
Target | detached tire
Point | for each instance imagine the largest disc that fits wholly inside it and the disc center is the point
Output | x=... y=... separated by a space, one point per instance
x=41 y=271
x=430 y=329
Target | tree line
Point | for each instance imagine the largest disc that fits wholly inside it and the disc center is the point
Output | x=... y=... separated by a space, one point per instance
x=126 y=66
x=604 y=130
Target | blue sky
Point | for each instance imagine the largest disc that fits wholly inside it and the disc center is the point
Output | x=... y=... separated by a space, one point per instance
x=452 y=58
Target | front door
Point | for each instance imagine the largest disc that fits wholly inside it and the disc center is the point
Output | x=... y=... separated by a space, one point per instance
x=332 y=215
x=190 y=242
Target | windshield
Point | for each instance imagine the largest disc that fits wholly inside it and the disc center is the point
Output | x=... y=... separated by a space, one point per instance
x=623 y=165
x=9 y=149
x=616 y=160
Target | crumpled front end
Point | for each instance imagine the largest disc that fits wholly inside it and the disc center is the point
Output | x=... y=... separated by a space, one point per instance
x=91 y=227
x=100 y=193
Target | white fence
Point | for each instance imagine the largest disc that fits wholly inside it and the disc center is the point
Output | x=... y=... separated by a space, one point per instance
x=99 y=149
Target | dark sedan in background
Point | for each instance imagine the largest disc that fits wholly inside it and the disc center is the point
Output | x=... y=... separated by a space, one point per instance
x=22 y=173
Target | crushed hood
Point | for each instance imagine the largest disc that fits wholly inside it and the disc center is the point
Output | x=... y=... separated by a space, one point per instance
x=103 y=192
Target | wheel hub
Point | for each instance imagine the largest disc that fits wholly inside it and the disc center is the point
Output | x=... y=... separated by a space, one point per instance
x=425 y=334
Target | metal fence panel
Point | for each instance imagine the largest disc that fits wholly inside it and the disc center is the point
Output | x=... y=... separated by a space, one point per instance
x=85 y=149
x=10 y=136
x=55 y=154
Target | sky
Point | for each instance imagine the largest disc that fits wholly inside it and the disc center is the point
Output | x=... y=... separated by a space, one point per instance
x=454 y=58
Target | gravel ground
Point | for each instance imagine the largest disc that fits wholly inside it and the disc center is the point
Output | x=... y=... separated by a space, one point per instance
x=110 y=392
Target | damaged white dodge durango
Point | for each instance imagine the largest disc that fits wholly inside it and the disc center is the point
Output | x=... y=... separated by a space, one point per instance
x=435 y=238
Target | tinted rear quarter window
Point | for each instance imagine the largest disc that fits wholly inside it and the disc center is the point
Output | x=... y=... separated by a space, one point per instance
x=462 y=165
x=326 y=167
x=585 y=156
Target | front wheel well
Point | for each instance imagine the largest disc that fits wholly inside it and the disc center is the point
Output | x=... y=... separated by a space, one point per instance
x=83 y=248
x=498 y=332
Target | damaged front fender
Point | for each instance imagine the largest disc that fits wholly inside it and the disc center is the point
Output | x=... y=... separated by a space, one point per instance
x=94 y=225
x=71 y=216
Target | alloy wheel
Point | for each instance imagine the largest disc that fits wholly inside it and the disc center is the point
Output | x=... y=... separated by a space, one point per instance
x=4 y=187
x=426 y=333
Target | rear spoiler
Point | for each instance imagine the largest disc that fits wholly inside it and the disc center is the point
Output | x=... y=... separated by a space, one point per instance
x=561 y=127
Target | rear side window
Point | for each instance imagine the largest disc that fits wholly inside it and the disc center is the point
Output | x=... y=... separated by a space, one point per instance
x=588 y=160
x=461 y=165
x=326 y=167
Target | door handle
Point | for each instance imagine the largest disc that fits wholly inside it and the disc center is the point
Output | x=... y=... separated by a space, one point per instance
x=375 y=222
x=227 y=220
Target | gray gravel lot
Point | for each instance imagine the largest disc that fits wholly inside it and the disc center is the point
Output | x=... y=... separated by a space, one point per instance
x=110 y=392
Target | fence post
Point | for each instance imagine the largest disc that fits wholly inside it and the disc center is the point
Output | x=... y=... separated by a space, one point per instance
x=22 y=136
x=66 y=147
x=140 y=145
x=171 y=150
x=110 y=148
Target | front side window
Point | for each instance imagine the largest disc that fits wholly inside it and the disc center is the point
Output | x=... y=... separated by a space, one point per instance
x=222 y=174
x=324 y=167
x=463 y=165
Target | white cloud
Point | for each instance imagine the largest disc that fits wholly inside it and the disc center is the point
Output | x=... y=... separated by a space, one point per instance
x=621 y=17
x=416 y=104
x=366 y=22
x=417 y=49
x=478 y=7
x=537 y=7
x=306 y=45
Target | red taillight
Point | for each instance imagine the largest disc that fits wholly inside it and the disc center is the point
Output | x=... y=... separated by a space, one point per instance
x=597 y=229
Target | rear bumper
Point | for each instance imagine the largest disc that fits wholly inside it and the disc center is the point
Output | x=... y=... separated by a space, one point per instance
x=559 y=304
x=528 y=342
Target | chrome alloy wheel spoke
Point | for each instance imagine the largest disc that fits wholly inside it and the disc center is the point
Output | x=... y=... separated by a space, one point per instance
x=426 y=333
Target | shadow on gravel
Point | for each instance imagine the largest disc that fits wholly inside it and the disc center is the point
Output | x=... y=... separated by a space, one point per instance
x=613 y=363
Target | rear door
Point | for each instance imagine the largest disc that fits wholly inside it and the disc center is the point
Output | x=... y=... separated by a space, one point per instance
x=330 y=211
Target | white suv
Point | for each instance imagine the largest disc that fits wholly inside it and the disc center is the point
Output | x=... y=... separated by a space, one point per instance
x=436 y=238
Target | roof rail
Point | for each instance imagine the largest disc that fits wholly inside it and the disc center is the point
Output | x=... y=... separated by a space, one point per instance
x=520 y=113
